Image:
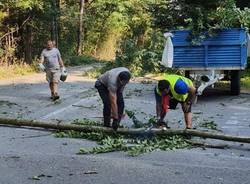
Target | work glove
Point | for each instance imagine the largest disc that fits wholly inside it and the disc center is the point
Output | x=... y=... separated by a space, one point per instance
x=115 y=124
x=41 y=67
x=161 y=123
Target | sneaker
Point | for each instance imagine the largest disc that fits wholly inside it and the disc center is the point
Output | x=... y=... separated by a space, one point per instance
x=166 y=126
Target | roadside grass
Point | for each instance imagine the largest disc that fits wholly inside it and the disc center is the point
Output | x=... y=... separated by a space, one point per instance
x=16 y=69
x=88 y=60
x=97 y=71
x=245 y=82
x=80 y=60
x=245 y=79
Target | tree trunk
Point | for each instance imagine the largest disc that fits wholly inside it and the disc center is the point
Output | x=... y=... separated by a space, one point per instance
x=28 y=44
x=54 y=30
x=125 y=131
x=54 y=26
x=58 y=2
x=80 y=29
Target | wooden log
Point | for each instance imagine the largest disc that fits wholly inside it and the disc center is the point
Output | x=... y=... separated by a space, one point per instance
x=124 y=131
x=206 y=145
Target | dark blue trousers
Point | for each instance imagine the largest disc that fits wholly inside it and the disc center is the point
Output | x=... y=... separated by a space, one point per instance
x=104 y=94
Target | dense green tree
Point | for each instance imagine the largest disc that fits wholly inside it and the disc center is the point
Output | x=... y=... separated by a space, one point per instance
x=108 y=29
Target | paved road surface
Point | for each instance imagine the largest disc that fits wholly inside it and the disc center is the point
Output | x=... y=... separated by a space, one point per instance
x=25 y=153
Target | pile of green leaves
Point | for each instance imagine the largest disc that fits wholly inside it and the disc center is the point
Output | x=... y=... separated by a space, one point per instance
x=157 y=143
x=132 y=145
x=139 y=124
x=85 y=121
x=131 y=115
x=209 y=125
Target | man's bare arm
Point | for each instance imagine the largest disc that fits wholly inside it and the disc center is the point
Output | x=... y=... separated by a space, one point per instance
x=114 y=108
x=190 y=99
x=191 y=94
x=61 y=62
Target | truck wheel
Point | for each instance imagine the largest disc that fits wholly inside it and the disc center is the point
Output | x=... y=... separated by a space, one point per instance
x=235 y=82
x=187 y=74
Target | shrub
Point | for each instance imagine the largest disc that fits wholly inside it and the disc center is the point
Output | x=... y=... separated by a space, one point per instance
x=80 y=60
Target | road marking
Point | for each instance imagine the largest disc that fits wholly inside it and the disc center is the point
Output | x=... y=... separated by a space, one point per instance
x=66 y=108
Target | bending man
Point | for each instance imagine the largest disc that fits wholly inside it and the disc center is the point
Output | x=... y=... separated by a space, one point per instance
x=170 y=91
x=110 y=86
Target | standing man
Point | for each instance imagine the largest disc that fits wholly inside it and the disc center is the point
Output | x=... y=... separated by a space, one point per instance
x=52 y=63
x=170 y=91
x=110 y=86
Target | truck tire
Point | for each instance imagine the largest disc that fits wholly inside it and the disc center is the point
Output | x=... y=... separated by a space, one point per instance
x=235 y=82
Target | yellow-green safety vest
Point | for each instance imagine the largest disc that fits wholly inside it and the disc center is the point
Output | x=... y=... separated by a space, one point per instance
x=172 y=79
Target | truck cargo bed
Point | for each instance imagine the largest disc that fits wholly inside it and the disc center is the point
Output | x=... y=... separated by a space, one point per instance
x=227 y=50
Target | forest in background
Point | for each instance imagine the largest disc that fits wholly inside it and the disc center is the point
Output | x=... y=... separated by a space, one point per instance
x=126 y=32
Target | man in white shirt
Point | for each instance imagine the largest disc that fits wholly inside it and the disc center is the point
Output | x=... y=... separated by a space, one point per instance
x=52 y=64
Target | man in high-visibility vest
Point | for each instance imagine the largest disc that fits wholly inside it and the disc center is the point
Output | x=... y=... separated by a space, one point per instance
x=170 y=91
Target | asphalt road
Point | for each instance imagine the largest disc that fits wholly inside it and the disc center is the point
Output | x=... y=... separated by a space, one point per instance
x=36 y=156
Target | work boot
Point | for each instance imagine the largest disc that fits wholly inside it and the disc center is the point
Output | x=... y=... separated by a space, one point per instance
x=52 y=96
x=115 y=124
x=55 y=97
x=187 y=136
x=107 y=122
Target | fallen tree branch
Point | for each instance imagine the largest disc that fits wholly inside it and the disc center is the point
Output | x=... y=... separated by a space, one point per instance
x=206 y=145
x=125 y=131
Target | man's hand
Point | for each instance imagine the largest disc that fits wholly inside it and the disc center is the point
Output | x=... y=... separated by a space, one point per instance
x=63 y=70
x=41 y=67
x=114 y=108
